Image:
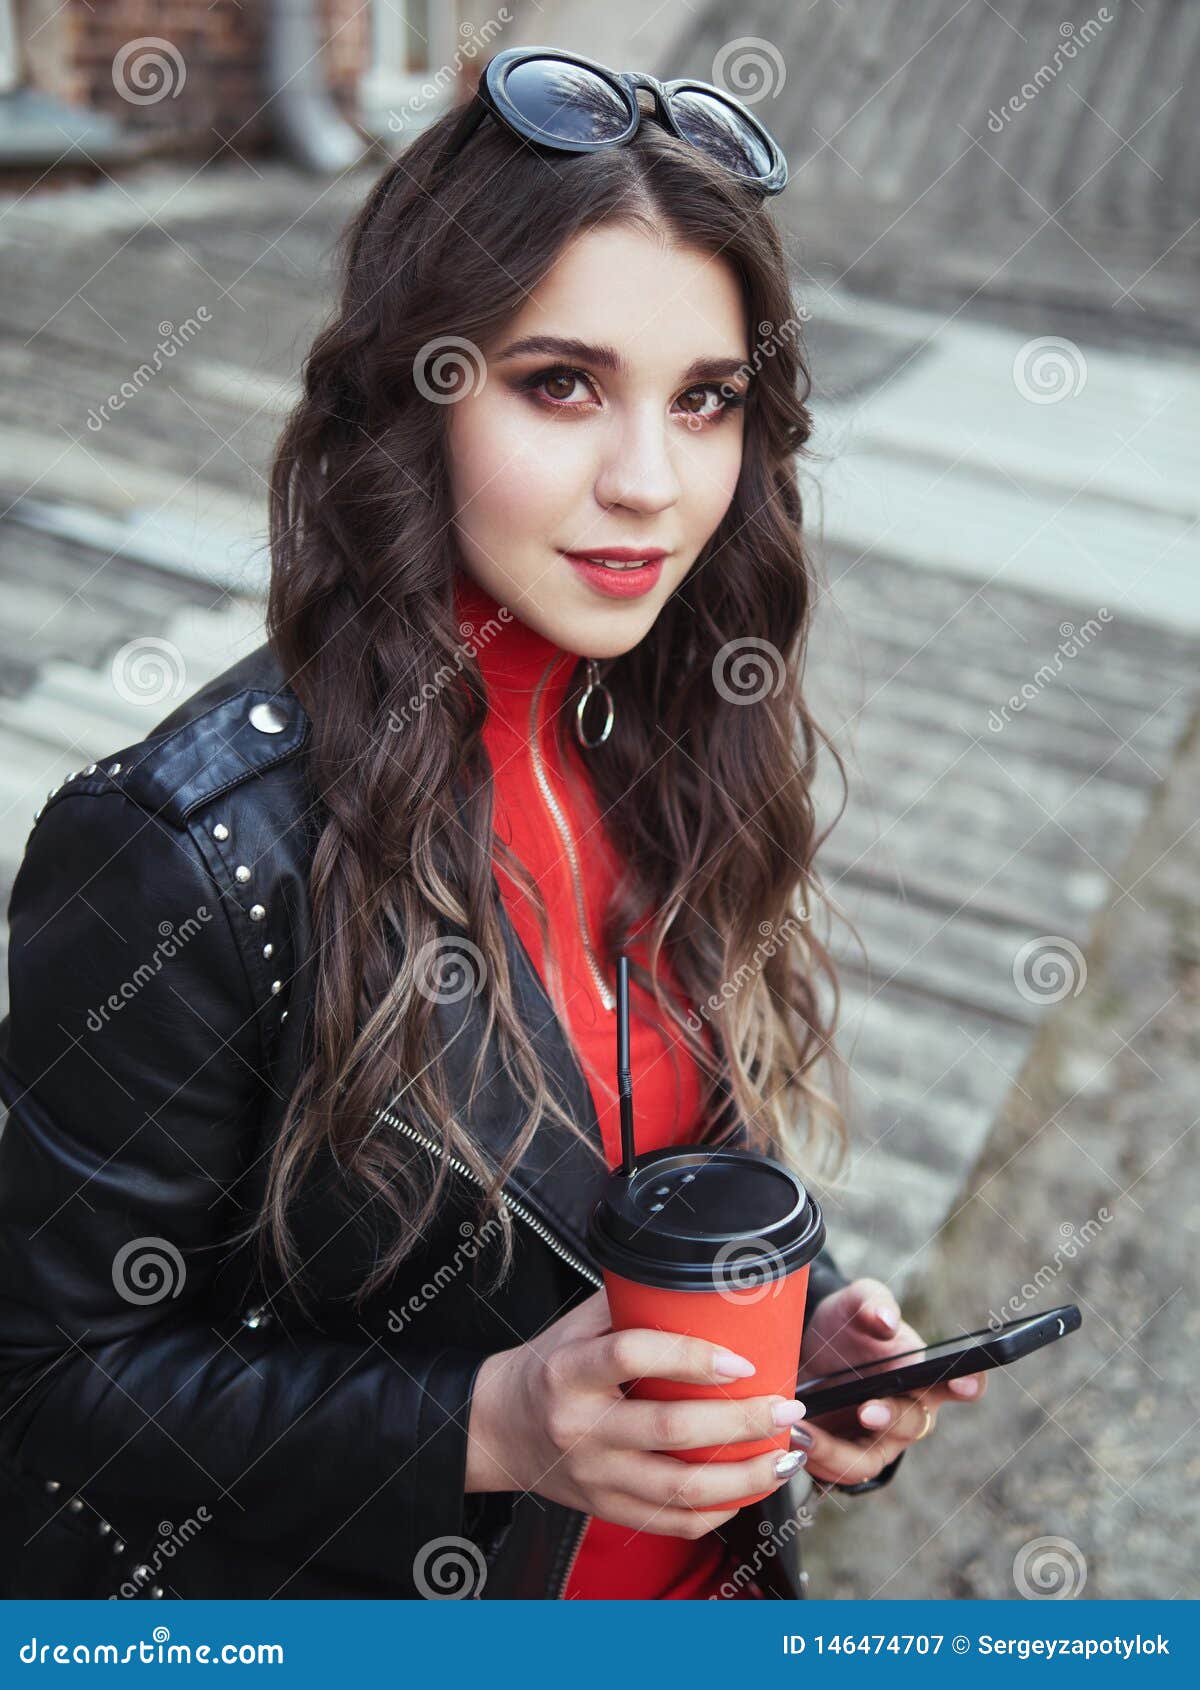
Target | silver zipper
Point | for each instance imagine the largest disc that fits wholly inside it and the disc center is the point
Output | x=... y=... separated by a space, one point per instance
x=561 y=1591
x=603 y=991
x=543 y=1232
x=602 y=988
x=518 y=1208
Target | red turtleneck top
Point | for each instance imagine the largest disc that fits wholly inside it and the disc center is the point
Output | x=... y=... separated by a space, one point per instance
x=546 y=812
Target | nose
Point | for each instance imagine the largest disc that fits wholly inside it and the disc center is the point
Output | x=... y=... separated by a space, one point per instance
x=638 y=469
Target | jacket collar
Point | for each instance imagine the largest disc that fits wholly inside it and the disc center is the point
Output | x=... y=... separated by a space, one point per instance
x=514 y=660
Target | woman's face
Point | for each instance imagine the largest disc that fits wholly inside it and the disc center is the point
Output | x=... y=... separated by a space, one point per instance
x=627 y=438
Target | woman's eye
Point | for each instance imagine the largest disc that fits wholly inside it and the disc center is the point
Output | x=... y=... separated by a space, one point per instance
x=558 y=390
x=559 y=385
x=705 y=404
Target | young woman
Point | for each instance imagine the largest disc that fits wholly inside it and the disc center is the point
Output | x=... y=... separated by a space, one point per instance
x=310 y=1058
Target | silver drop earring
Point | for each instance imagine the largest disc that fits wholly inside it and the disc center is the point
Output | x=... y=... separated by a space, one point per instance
x=594 y=684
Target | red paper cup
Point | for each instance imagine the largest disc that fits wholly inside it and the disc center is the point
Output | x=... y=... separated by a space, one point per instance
x=712 y=1244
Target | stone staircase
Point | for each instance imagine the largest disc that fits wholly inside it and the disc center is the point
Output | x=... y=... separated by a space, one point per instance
x=972 y=863
x=912 y=173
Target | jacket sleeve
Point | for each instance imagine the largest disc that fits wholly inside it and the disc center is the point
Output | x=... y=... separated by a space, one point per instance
x=131 y=1061
x=823 y=1277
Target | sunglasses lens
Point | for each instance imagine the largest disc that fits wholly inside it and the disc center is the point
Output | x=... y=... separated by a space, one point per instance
x=717 y=129
x=566 y=102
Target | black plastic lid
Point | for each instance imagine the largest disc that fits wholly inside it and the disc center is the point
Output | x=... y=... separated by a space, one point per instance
x=695 y=1218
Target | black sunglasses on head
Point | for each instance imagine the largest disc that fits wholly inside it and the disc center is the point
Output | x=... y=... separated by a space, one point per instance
x=571 y=104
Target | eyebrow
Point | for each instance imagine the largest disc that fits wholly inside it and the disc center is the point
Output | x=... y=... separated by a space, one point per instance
x=608 y=358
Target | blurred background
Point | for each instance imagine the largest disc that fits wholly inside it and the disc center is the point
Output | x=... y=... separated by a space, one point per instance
x=993 y=222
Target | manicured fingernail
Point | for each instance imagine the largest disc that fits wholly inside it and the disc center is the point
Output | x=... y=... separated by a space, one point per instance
x=876 y=1415
x=786 y=1413
x=788 y=1463
x=886 y=1315
x=731 y=1366
x=802 y=1436
x=965 y=1387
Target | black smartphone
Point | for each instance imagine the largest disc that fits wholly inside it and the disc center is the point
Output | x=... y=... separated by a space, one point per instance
x=933 y=1364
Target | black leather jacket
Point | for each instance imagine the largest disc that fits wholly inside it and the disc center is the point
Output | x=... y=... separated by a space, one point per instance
x=158 y=1436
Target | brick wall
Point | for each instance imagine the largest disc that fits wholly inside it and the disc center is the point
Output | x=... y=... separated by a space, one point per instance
x=206 y=86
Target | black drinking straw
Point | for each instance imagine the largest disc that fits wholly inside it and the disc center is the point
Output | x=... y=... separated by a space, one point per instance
x=624 y=1079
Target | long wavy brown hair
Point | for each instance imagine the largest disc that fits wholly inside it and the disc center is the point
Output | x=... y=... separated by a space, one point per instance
x=706 y=778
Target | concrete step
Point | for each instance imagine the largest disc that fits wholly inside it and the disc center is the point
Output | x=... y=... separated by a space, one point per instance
x=206 y=538
x=957 y=462
x=74 y=715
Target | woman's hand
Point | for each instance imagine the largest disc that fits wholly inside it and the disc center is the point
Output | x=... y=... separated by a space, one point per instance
x=550 y=1416
x=858 y=1325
